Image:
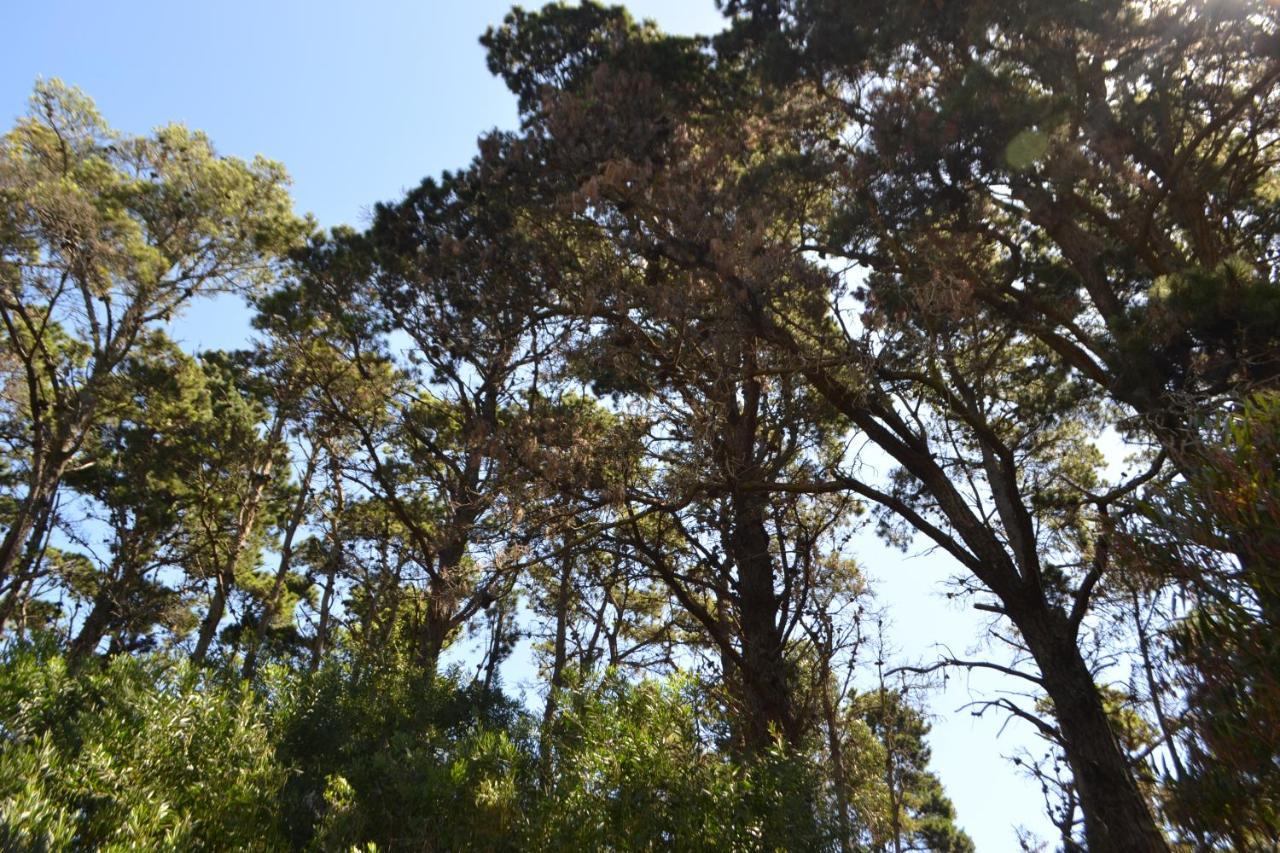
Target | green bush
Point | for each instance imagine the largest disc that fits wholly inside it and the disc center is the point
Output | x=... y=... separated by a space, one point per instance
x=143 y=753
x=149 y=753
x=383 y=754
x=634 y=770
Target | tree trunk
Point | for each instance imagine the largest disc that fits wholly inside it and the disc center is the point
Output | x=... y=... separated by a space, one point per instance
x=244 y=527
x=106 y=609
x=494 y=657
x=24 y=521
x=49 y=463
x=388 y=624
x=890 y=754
x=225 y=580
x=109 y=603
x=321 y=639
x=209 y=625
x=437 y=624
x=839 y=781
x=442 y=597
x=766 y=685
x=1116 y=815
x=334 y=563
x=28 y=569
x=271 y=606
x=557 y=670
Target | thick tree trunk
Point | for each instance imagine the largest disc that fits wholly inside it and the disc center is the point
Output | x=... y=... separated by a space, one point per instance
x=95 y=625
x=1116 y=815
x=437 y=625
x=442 y=597
x=109 y=611
x=766 y=684
x=105 y=611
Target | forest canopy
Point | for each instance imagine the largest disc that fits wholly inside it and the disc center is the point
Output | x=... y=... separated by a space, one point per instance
x=996 y=280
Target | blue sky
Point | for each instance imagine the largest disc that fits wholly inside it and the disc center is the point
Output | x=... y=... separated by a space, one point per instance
x=361 y=101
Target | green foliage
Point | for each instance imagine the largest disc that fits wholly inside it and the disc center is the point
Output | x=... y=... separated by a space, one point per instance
x=633 y=770
x=1217 y=534
x=138 y=209
x=149 y=752
x=386 y=756
x=558 y=48
x=384 y=753
x=931 y=257
x=892 y=759
x=103 y=238
x=143 y=753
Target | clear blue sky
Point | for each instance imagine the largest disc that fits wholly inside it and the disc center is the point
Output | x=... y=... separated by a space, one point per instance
x=361 y=101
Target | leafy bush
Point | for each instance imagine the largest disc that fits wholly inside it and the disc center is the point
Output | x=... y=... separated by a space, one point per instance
x=148 y=752
x=634 y=770
x=387 y=755
x=145 y=752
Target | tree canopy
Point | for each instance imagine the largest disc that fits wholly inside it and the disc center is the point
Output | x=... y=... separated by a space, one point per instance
x=993 y=279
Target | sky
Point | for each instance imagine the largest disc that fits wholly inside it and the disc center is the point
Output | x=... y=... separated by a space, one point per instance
x=361 y=101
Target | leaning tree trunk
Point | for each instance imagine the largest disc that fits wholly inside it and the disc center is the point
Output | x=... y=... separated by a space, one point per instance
x=29 y=564
x=272 y=605
x=226 y=578
x=95 y=624
x=1116 y=815
x=20 y=527
x=212 y=617
x=28 y=525
x=106 y=610
x=51 y=456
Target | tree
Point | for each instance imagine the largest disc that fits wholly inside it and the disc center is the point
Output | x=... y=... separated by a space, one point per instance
x=921 y=817
x=718 y=529
x=142 y=462
x=707 y=508
x=103 y=237
x=444 y=268
x=626 y=385
x=939 y=391
x=242 y=483
x=1100 y=177
x=1213 y=664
